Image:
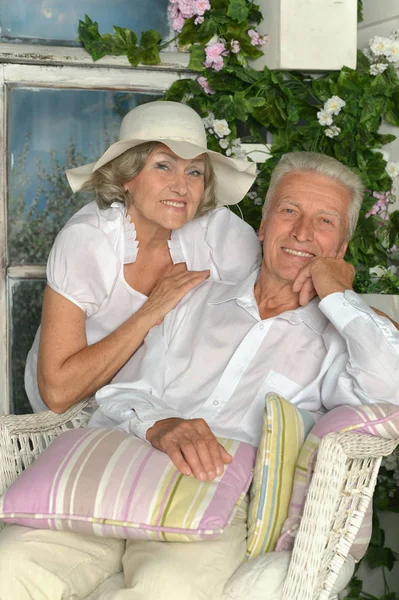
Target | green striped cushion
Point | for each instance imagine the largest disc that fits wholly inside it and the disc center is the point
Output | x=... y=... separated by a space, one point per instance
x=284 y=431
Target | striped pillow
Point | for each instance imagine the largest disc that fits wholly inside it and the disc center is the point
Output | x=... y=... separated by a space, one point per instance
x=381 y=420
x=108 y=483
x=284 y=431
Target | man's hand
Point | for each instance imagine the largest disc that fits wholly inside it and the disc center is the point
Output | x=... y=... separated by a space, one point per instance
x=191 y=445
x=325 y=276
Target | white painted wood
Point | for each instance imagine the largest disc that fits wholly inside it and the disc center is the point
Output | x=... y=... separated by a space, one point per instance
x=4 y=359
x=377 y=11
x=308 y=34
x=55 y=55
x=87 y=78
x=27 y=272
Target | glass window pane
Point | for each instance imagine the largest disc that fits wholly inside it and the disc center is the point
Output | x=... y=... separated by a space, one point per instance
x=56 y=21
x=50 y=131
x=25 y=307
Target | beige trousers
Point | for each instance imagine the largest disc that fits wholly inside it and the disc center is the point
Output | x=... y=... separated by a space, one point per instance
x=55 y=565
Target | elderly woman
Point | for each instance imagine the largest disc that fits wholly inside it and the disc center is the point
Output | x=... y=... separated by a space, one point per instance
x=122 y=263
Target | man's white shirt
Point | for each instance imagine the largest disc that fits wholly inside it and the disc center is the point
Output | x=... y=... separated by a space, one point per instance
x=214 y=358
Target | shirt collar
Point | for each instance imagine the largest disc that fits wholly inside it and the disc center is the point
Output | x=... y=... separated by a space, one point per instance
x=243 y=293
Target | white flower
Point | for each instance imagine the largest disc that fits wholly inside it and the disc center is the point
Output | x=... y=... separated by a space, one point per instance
x=258 y=201
x=224 y=143
x=392 y=169
x=334 y=105
x=252 y=195
x=380 y=45
x=324 y=117
x=332 y=131
x=208 y=121
x=393 y=55
x=221 y=127
x=378 y=68
x=238 y=152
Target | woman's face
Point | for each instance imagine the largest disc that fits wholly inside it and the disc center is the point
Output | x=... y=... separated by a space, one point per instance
x=167 y=191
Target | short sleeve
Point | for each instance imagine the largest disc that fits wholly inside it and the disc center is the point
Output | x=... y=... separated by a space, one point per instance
x=82 y=266
x=235 y=248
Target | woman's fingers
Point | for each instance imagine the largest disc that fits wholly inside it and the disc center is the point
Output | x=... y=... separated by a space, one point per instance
x=171 y=289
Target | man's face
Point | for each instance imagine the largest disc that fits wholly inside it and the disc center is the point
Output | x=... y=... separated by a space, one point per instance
x=307 y=218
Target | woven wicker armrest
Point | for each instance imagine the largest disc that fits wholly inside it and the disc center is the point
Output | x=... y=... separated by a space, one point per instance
x=24 y=437
x=339 y=494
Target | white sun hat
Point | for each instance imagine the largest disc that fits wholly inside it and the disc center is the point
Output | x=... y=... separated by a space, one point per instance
x=181 y=129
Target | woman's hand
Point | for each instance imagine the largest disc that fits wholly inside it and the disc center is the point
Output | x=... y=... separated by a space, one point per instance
x=169 y=290
x=191 y=445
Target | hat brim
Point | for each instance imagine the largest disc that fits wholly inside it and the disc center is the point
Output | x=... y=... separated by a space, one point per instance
x=234 y=176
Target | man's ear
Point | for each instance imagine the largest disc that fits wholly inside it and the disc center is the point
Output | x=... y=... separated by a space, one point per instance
x=261 y=231
x=342 y=250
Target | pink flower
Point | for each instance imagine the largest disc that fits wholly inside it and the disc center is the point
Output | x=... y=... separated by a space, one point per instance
x=205 y=85
x=178 y=22
x=235 y=46
x=380 y=206
x=187 y=8
x=214 y=56
x=256 y=39
x=199 y=20
x=202 y=6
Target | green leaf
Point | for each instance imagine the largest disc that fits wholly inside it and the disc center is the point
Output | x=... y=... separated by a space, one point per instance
x=379 y=85
x=322 y=88
x=256 y=102
x=178 y=90
x=391 y=114
x=238 y=10
x=134 y=56
x=225 y=107
x=241 y=106
x=197 y=58
x=150 y=55
x=150 y=38
x=125 y=37
x=378 y=556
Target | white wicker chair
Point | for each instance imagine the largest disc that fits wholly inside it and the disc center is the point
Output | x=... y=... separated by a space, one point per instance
x=340 y=491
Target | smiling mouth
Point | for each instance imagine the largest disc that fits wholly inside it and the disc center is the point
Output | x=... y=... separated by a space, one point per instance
x=173 y=203
x=298 y=253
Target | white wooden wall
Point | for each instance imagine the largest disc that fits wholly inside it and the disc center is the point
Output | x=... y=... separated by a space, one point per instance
x=381 y=17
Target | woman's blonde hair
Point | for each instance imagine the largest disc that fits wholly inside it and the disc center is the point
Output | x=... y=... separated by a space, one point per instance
x=107 y=182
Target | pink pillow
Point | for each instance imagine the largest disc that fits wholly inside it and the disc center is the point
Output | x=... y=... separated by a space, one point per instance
x=381 y=420
x=108 y=483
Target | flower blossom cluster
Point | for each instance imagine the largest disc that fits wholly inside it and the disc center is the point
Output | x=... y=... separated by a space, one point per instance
x=392 y=167
x=181 y=10
x=256 y=39
x=325 y=116
x=214 y=55
x=221 y=130
x=381 y=206
x=382 y=51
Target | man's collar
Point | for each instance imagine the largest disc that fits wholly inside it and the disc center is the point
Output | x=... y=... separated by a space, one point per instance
x=241 y=291
x=237 y=290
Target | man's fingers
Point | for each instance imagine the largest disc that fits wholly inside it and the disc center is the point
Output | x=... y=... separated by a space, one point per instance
x=307 y=292
x=300 y=279
x=176 y=456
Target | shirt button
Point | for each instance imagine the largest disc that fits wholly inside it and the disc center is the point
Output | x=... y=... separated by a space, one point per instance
x=261 y=326
x=215 y=403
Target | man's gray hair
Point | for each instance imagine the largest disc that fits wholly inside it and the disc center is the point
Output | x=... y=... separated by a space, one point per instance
x=108 y=181
x=326 y=166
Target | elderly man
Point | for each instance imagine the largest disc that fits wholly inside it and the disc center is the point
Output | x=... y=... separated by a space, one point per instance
x=206 y=370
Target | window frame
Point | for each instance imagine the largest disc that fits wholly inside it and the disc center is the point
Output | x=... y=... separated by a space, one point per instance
x=27 y=65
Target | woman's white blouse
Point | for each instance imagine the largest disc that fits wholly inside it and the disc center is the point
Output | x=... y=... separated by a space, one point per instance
x=86 y=262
